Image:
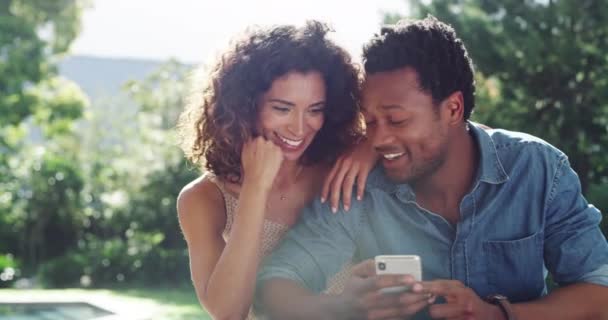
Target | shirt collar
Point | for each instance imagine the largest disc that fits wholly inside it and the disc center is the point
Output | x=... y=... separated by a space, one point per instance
x=490 y=169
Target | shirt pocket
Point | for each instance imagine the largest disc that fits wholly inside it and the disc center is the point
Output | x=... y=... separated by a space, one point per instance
x=515 y=267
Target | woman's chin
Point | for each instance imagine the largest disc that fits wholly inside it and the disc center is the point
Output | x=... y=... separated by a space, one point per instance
x=292 y=156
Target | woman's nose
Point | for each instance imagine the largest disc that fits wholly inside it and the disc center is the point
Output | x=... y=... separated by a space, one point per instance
x=296 y=124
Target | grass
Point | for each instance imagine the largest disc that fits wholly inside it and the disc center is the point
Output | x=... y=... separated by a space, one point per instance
x=168 y=303
x=176 y=303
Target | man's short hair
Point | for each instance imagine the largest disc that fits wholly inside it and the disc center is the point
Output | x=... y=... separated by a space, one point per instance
x=433 y=50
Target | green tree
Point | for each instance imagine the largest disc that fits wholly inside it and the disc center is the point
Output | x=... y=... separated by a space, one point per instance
x=33 y=35
x=43 y=207
x=133 y=171
x=39 y=180
x=542 y=70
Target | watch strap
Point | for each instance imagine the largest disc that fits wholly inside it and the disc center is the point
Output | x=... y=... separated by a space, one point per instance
x=503 y=303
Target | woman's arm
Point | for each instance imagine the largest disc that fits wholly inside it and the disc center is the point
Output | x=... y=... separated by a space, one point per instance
x=224 y=273
x=353 y=166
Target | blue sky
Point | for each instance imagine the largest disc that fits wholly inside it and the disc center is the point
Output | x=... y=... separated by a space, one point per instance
x=194 y=30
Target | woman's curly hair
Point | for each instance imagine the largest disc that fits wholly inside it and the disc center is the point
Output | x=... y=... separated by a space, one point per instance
x=222 y=113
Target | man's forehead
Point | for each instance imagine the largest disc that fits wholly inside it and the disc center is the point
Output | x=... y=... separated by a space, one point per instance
x=392 y=91
x=382 y=108
x=404 y=76
x=390 y=85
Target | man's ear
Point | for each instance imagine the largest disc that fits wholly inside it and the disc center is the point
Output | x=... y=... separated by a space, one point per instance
x=453 y=108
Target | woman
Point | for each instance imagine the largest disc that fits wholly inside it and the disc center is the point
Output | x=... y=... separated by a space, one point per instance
x=278 y=109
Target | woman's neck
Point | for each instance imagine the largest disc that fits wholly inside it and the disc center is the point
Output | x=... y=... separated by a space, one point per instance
x=288 y=174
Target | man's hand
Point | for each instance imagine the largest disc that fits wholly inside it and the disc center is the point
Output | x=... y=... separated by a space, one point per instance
x=362 y=298
x=461 y=302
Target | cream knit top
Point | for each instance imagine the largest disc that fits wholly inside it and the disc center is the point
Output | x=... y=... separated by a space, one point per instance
x=272 y=234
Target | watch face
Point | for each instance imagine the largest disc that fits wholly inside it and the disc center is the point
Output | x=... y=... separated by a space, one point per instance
x=495 y=298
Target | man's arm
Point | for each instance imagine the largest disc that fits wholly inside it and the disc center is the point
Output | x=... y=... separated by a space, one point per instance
x=312 y=251
x=287 y=299
x=576 y=301
x=576 y=255
x=362 y=298
x=290 y=281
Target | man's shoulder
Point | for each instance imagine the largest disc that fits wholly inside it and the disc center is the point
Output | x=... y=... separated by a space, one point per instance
x=377 y=179
x=512 y=145
x=376 y=183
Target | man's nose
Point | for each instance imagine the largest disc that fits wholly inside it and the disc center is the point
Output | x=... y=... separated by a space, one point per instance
x=380 y=136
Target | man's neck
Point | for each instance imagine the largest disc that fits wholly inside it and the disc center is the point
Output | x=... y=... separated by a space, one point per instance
x=443 y=191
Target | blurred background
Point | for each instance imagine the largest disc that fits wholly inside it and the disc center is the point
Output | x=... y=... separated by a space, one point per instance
x=90 y=91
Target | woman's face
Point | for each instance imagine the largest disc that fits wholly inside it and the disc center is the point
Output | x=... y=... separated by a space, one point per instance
x=291 y=111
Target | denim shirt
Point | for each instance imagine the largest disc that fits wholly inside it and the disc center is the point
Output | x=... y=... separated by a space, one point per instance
x=524 y=217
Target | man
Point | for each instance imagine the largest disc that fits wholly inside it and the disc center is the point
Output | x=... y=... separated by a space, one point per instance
x=490 y=212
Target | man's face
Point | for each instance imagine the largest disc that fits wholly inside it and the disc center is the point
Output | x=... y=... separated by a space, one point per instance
x=406 y=128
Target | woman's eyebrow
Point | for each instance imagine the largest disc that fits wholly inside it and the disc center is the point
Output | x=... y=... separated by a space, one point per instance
x=320 y=103
x=282 y=101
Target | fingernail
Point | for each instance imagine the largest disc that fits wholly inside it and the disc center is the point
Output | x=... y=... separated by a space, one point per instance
x=359 y=198
x=333 y=209
x=431 y=300
x=416 y=287
x=346 y=207
x=322 y=200
x=470 y=307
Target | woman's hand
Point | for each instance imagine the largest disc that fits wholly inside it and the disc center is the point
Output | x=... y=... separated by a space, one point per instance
x=261 y=160
x=351 y=167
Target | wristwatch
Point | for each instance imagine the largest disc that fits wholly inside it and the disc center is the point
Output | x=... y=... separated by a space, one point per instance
x=503 y=303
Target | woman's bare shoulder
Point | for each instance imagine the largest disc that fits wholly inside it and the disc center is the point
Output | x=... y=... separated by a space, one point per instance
x=201 y=199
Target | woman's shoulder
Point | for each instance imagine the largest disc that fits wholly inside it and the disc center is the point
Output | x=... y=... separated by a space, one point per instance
x=202 y=196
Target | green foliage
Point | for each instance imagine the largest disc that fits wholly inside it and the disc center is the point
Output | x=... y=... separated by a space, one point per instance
x=597 y=196
x=548 y=61
x=102 y=262
x=9 y=270
x=87 y=196
x=33 y=33
x=129 y=228
x=46 y=222
x=64 y=271
x=58 y=103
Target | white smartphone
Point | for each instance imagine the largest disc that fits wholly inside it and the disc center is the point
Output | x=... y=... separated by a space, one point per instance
x=399 y=264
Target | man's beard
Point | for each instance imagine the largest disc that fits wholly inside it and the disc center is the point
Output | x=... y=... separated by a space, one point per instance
x=421 y=171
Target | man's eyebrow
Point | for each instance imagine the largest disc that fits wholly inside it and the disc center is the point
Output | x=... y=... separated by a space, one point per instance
x=392 y=107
